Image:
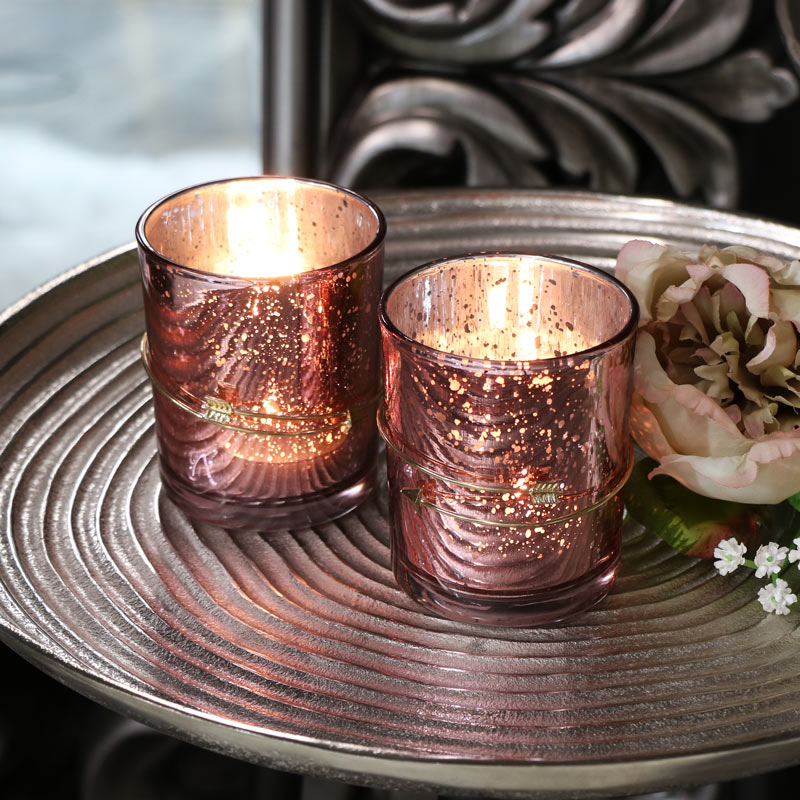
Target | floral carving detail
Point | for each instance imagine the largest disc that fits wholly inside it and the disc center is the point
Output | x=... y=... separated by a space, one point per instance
x=591 y=81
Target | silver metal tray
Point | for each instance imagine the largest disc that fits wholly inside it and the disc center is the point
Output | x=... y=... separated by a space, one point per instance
x=297 y=650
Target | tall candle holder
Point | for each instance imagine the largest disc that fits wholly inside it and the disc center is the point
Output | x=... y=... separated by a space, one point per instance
x=507 y=388
x=260 y=300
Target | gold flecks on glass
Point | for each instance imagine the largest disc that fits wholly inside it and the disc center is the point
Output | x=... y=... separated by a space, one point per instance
x=499 y=437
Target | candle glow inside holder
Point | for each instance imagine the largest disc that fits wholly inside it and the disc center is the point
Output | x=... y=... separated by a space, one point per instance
x=507 y=388
x=260 y=300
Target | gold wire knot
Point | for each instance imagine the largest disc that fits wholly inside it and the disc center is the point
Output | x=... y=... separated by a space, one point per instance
x=216 y=410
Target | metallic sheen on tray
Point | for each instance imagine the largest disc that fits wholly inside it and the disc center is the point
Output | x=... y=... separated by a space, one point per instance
x=298 y=651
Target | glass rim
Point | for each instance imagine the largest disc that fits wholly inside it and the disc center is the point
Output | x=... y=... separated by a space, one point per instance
x=374 y=244
x=508 y=364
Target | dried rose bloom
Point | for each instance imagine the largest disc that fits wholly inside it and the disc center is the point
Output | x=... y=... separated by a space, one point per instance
x=717 y=369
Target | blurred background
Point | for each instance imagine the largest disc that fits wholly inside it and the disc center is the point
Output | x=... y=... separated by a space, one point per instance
x=107 y=105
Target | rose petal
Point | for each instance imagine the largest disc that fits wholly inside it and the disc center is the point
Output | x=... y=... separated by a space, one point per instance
x=687 y=418
x=753 y=334
x=768 y=473
x=756 y=420
x=734 y=325
x=730 y=300
x=674 y=297
x=693 y=317
x=713 y=256
x=708 y=355
x=781 y=377
x=744 y=253
x=700 y=273
x=718 y=386
x=648 y=269
x=783 y=386
x=735 y=413
x=646 y=431
x=787 y=274
x=725 y=344
x=780 y=348
x=721 y=477
x=753 y=283
x=786 y=304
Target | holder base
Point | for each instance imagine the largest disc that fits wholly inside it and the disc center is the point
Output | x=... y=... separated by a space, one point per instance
x=272 y=515
x=506 y=609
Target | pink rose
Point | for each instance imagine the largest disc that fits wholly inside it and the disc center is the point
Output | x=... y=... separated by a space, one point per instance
x=717 y=370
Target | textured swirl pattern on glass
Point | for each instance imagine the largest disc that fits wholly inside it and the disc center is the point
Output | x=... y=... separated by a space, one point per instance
x=507 y=383
x=260 y=303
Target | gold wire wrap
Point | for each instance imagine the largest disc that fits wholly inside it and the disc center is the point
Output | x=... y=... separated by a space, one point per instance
x=542 y=492
x=539 y=493
x=221 y=412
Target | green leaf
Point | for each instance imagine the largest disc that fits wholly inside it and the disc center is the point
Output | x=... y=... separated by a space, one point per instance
x=794 y=501
x=694 y=524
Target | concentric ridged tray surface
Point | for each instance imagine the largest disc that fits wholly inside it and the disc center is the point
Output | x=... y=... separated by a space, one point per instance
x=297 y=649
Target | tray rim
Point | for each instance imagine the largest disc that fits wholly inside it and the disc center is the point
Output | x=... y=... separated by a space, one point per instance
x=350 y=763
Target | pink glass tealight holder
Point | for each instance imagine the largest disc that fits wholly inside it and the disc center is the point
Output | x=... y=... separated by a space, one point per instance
x=507 y=388
x=260 y=299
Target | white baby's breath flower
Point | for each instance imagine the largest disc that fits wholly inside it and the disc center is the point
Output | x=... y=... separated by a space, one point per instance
x=794 y=555
x=769 y=559
x=730 y=553
x=777 y=598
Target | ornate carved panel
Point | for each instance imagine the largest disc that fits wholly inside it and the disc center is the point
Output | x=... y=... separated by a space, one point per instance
x=656 y=96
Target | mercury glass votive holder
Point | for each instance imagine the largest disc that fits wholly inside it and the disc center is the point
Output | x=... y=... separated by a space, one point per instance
x=260 y=299
x=507 y=386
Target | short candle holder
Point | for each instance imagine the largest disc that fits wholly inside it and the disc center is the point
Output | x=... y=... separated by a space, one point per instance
x=260 y=300
x=507 y=389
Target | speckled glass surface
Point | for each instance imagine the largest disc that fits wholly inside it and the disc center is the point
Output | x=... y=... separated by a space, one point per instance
x=262 y=293
x=299 y=650
x=507 y=388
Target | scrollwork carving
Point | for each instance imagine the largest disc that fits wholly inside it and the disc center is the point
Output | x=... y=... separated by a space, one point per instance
x=466 y=33
x=437 y=116
x=788 y=13
x=441 y=14
x=687 y=34
x=565 y=91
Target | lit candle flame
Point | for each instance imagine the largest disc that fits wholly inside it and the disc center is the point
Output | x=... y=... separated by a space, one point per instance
x=496 y=300
x=526 y=333
x=255 y=250
x=283 y=449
